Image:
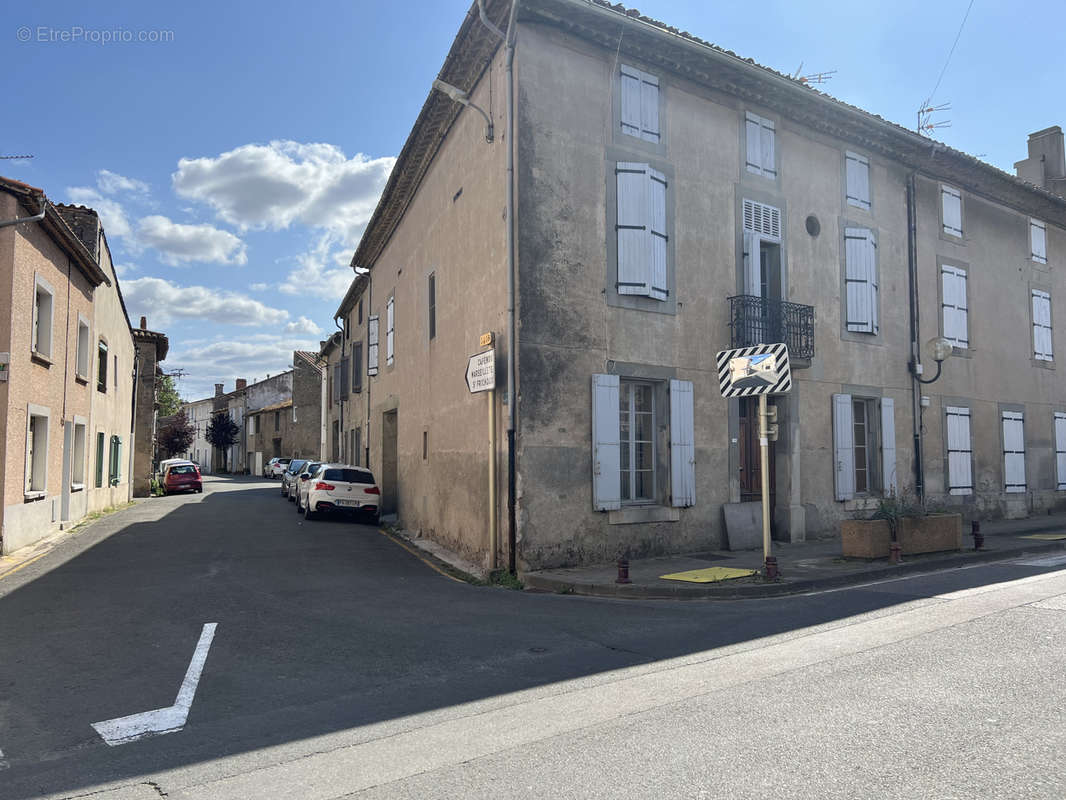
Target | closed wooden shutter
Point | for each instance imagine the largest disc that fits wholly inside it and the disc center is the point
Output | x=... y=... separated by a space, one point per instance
x=1038 y=240
x=1060 y=450
x=843 y=447
x=390 y=329
x=372 y=345
x=860 y=279
x=956 y=325
x=762 y=219
x=752 y=278
x=960 y=451
x=631 y=101
x=1013 y=451
x=682 y=445
x=761 y=147
x=889 y=472
x=606 y=444
x=1042 y=347
x=357 y=367
x=649 y=107
x=857 y=175
x=952 y=209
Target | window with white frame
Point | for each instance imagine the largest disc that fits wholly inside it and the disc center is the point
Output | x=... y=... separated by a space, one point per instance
x=864 y=446
x=37 y=449
x=760 y=146
x=641 y=228
x=954 y=306
x=83 y=355
x=1038 y=241
x=1013 y=451
x=77 y=464
x=762 y=248
x=639 y=104
x=951 y=208
x=101 y=366
x=43 y=296
x=1060 y=450
x=626 y=463
x=372 y=345
x=860 y=280
x=1042 y=348
x=960 y=450
x=390 y=331
x=857 y=176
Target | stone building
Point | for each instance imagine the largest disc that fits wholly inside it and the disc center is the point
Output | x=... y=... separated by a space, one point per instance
x=344 y=402
x=672 y=200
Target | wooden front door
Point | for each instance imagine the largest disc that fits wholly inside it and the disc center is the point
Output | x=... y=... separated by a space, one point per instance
x=750 y=475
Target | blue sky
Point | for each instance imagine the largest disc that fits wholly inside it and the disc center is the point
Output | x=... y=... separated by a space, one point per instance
x=236 y=163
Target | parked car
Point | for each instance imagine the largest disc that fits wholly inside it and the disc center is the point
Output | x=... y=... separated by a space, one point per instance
x=340 y=488
x=182 y=477
x=275 y=467
x=294 y=484
x=294 y=468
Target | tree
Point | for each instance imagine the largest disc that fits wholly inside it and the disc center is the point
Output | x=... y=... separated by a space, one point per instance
x=222 y=433
x=176 y=436
x=166 y=396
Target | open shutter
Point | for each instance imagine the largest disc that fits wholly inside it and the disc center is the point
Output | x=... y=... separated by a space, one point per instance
x=1013 y=451
x=606 y=447
x=859 y=286
x=857 y=175
x=682 y=445
x=952 y=205
x=1038 y=240
x=657 y=238
x=1060 y=450
x=752 y=134
x=890 y=481
x=390 y=330
x=634 y=267
x=843 y=447
x=631 y=101
x=649 y=107
x=1042 y=325
x=960 y=451
x=752 y=282
x=372 y=345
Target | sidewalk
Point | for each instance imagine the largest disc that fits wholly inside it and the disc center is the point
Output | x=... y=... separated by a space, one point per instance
x=804 y=567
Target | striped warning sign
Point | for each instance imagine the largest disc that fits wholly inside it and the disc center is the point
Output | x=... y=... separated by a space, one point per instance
x=749 y=371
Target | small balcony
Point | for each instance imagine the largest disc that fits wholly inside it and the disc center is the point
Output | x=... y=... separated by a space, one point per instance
x=757 y=320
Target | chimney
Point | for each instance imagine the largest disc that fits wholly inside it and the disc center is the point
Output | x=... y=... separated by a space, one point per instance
x=242 y=383
x=1046 y=165
x=218 y=389
x=144 y=323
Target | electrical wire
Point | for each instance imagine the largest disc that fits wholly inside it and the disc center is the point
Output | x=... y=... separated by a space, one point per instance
x=950 y=54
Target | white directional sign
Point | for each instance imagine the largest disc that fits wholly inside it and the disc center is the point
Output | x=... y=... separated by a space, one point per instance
x=749 y=371
x=481 y=372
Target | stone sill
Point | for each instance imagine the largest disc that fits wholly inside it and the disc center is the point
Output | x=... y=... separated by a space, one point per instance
x=638 y=514
x=31 y=496
x=41 y=359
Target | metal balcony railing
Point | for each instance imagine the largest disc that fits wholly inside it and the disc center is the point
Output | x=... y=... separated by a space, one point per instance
x=757 y=320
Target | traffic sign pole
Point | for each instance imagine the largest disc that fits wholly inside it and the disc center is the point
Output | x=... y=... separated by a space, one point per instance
x=494 y=535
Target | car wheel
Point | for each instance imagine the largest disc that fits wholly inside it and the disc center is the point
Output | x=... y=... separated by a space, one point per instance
x=200 y=490
x=308 y=513
x=299 y=508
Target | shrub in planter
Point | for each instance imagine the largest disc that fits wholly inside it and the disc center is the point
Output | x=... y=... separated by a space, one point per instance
x=904 y=520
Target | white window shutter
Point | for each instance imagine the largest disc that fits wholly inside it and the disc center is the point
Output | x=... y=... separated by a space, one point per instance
x=956 y=328
x=1013 y=451
x=766 y=136
x=752 y=136
x=606 y=445
x=890 y=479
x=1042 y=347
x=857 y=178
x=843 y=447
x=682 y=445
x=952 y=209
x=657 y=234
x=634 y=268
x=390 y=330
x=649 y=107
x=960 y=449
x=871 y=278
x=752 y=278
x=372 y=345
x=631 y=101
x=1038 y=241
x=1060 y=450
x=858 y=289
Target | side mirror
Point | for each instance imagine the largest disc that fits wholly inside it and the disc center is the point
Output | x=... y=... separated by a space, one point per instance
x=306 y=476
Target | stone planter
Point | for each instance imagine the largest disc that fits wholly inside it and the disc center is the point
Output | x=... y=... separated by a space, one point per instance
x=870 y=538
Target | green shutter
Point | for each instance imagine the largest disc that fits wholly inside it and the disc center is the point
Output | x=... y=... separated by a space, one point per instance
x=99 y=460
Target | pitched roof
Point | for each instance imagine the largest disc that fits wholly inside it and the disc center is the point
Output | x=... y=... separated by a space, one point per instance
x=274 y=407
x=310 y=358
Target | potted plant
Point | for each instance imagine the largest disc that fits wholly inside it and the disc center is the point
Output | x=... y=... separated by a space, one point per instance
x=901 y=525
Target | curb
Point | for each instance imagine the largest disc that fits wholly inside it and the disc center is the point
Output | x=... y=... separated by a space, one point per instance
x=754 y=591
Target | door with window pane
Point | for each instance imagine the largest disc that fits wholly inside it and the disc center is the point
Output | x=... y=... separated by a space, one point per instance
x=637 y=440
x=750 y=474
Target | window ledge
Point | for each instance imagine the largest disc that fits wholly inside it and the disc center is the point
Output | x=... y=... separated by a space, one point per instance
x=638 y=514
x=1043 y=363
x=40 y=358
x=862 y=504
x=31 y=496
x=81 y=379
x=77 y=487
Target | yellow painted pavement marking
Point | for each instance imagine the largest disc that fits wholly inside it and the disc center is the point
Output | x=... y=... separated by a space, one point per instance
x=13 y=570
x=708 y=575
x=1046 y=537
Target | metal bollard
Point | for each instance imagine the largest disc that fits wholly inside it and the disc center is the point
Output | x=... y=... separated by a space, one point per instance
x=978 y=537
x=770 y=571
x=623 y=571
x=894 y=551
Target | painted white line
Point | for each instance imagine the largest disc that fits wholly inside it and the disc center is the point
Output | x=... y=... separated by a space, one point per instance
x=162 y=720
x=1047 y=561
x=3 y=761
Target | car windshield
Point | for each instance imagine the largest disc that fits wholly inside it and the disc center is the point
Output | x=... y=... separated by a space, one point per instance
x=348 y=475
x=312 y=467
x=183 y=469
x=294 y=466
x=284 y=460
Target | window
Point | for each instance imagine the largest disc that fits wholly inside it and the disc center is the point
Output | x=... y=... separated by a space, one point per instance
x=860 y=280
x=1060 y=450
x=762 y=259
x=390 y=330
x=37 y=449
x=1042 y=349
x=99 y=460
x=857 y=175
x=336 y=382
x=954 y=306
x=277 y=420
x=343 y=381
x=360 y=312
x=960 y=450
x=1038 y=241
x=114 y=470
x=432 y=305
x=863 y=429
x=77 y=465
x=626 y=463
x=116 y=371
x=951 y=207
x=42 y=318
x=251 y=425
x=347 y=475
x=357 y=367
x=641 y=229
x=346 y=329
x=425 y=445
x=760 y=146
x=372 y=346
x=640 y=104
x=1013 y=451
x=101 y=366
x=82 y=361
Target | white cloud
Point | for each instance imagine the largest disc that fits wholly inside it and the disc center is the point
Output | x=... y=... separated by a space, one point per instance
x=178 y=243
x=164 y=301
x=224 y=360
x=315 y=276
x=112 y=183
x=304 y=326
x=112 y=214
x=125 y=269
x=259 y=287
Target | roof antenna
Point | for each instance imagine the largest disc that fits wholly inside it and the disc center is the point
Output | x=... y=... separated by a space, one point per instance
x=15 y=158
x=926 y=123
x=818 y=77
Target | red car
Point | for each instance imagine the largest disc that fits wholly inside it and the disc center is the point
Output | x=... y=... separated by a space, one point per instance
x=182 y=478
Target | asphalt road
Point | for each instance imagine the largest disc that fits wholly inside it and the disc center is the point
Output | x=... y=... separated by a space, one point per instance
x=343 y=666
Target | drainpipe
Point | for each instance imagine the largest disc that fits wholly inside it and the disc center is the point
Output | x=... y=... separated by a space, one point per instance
x=912 y=280
x=19 y=220
x=340 y=399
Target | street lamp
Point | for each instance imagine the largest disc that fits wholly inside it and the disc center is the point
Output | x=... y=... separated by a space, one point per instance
x=942 y=349
x=459 y=96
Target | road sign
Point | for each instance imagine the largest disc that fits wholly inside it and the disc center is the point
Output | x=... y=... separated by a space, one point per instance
x=481 y=372
x=750 y=371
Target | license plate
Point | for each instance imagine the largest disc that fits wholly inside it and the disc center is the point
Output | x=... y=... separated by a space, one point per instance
x=351 y=503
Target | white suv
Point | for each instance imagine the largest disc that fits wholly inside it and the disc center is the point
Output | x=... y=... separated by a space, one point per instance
x=340 y=488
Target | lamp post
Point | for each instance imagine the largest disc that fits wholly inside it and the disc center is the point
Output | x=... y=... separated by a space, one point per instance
x=459 y=96
x=942 y=350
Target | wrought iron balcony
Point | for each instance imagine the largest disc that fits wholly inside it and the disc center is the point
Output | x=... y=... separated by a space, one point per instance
x=757 y=320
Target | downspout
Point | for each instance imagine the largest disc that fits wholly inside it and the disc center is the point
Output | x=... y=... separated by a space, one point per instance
x=133 y=430
x=19 y=220
x=366 y=444
x=915 y=358
x=340 y=398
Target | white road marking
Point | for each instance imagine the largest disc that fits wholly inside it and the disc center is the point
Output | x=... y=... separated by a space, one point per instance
x=1046 y=561
x=3 y=761
x=162 y=720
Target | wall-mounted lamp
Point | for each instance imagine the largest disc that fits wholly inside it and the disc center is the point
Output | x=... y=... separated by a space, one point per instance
x=942 y=350
x=459 y=96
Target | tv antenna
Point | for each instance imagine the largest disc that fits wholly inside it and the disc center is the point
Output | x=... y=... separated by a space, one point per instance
x=926 y=123
x=15 y=158
x=814 y=77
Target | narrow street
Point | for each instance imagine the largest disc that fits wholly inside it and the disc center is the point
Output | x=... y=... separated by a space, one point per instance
x=341 y=665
